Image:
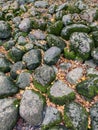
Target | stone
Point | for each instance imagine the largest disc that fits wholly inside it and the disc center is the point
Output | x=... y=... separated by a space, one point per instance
x=75 y=116
x=94 y=54
x=60 y=93
x=17 y=20
x=7 y=86
x=39 y=35
x=32 y=59
x=65 y=65
x=52 y=116
x=22 y=40
x=63 y=6
x=8 y=113
x=67 y=19
x=9 y=44
x=92 y=72
x=25 y=25
x=82 y=44
x=18 y=66
x=31 y=108
x=15 y=54
x=52 y=8
x=41 y=4
x=52 y=55
x=90 y=63
x=43 y=76
x=58 y=127
x=5 y=30
x=89 y=15
x=5 y=64
x=94 y=116
x=74 y=75
x=55 y=28
x=88 y=88
x=23 y=80
x=95 y=37
x=53 y=40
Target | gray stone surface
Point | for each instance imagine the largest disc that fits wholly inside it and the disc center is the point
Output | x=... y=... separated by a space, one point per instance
x=5 y=30
x=52 y=55
x=52 y=116
x=32 y=59
x=55 y=41
x=31 y=108
x=74 y=75
x=77 y=116
x=25 y=25
x=23 y=80
x=60 y=89
x=41 y=4
x=94 y=116
x=44 y=75
x=8 y=113
x=7 y=87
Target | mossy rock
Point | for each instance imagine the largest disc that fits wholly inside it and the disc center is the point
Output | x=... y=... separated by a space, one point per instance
x=82 y=44
x=40 y=87
x=68 y=30
x=88 y=88
x=60 y=93
x=94 y=55
x=52 y=117
x=95 y=37
x=58 y=127
x=69 y=54
x=75 y=117
x=53 y=40
x=72 y=9
x=55 y=28
x=15 y=54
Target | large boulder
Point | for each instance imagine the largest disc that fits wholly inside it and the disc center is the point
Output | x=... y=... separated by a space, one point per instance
x=31 y=107
x=8 y=113
x=5 y=30
x=7 y=87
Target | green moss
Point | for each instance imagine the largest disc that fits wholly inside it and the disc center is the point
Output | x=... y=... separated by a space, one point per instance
x=61 y=100
x=68 y=122
x=55 y=28
x=37 y=85
x=16 y=103
x=46 y=127
x=69 y=54
x=72 y=9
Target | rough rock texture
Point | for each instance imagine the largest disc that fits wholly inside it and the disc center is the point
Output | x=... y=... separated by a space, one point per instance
x=31 y=107
x=52 y=55
x=44 y=75
x=52 y=116
x=82 y=44
x=5 y=30
x=94 y=116
x=75 y=117
x=23 y=80
x=74 y=75
x=7 y=87
x=8 y=113
x=60 y=93
x=32 y=59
